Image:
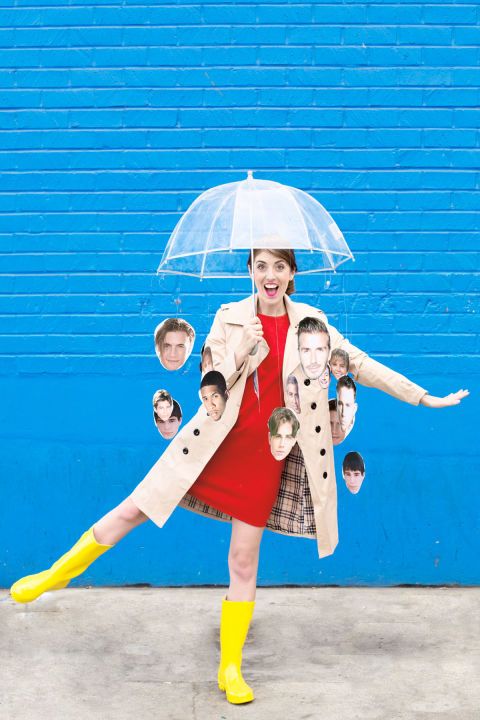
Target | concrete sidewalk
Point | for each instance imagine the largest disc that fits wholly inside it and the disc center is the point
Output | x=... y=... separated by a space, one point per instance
x=327 y=653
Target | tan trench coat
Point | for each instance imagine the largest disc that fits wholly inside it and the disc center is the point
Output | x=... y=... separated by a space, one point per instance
x=307 y=500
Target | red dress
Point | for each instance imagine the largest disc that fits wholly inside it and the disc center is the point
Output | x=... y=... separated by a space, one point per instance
x=242 y=478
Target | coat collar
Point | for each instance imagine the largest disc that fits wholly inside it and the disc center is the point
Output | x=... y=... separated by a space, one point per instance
x=239 y=313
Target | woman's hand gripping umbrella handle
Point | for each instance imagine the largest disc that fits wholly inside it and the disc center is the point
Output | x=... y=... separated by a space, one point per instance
x=252 y=334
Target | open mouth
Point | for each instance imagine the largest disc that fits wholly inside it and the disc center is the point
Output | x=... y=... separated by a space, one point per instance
x=271 y=290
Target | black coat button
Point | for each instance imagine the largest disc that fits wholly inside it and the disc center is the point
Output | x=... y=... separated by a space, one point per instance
x=322 y=451
x=325 y=474
x=318 y=428
x=306 y=382
x=185 y=451
x=313 y=406
x=196 y=431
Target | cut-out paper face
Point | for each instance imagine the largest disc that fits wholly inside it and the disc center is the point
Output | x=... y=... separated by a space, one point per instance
x=207 y=361
x=324 y=380
x=169 y=427
x=339 y=363
x=283 y=441
x=163 y=409
x=214 y=394
x=174 y=340
x=346 y=403
x=283 y=427
x=353 y=470
x=162 y=404
x=292 y=396
x=338 y=435
x=313 y=349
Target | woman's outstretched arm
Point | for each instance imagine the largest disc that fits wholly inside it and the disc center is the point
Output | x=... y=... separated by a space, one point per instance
x=372 y=373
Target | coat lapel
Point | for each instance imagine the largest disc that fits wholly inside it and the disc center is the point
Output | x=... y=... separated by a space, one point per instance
x=239 y=313
x=291 y=358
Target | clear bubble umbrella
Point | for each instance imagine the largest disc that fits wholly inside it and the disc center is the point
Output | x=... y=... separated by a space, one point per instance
x=213 y=237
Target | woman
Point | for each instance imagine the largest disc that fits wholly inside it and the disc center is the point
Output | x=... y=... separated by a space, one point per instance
x=225 y=466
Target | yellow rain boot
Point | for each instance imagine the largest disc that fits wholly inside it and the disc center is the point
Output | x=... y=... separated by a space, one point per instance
x=73 y=563
x=234 y=626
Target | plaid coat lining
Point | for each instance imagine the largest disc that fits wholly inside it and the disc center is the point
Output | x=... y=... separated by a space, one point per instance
x=292 y=513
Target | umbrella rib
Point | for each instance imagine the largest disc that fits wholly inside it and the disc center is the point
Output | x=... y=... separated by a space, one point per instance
x=246 y=275
x=196 y=235
x=297 y=210
x=167 y=253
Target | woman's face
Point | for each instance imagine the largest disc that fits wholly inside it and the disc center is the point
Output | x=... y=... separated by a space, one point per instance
x=271 y=275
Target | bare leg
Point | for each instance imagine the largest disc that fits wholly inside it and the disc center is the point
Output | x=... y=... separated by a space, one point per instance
x=237 y=610
x=117 y=523
x=243 y=560
x=93 y=543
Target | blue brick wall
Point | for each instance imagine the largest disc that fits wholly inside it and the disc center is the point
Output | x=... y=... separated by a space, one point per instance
x=113 y=118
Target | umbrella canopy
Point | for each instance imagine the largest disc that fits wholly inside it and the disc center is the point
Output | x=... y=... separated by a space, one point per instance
x=213 y=237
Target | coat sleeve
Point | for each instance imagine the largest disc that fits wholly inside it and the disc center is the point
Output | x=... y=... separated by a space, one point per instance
x=223 y=354
x=371 y=373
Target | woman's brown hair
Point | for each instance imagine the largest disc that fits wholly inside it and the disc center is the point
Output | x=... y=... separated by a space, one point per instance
x=287 y=256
